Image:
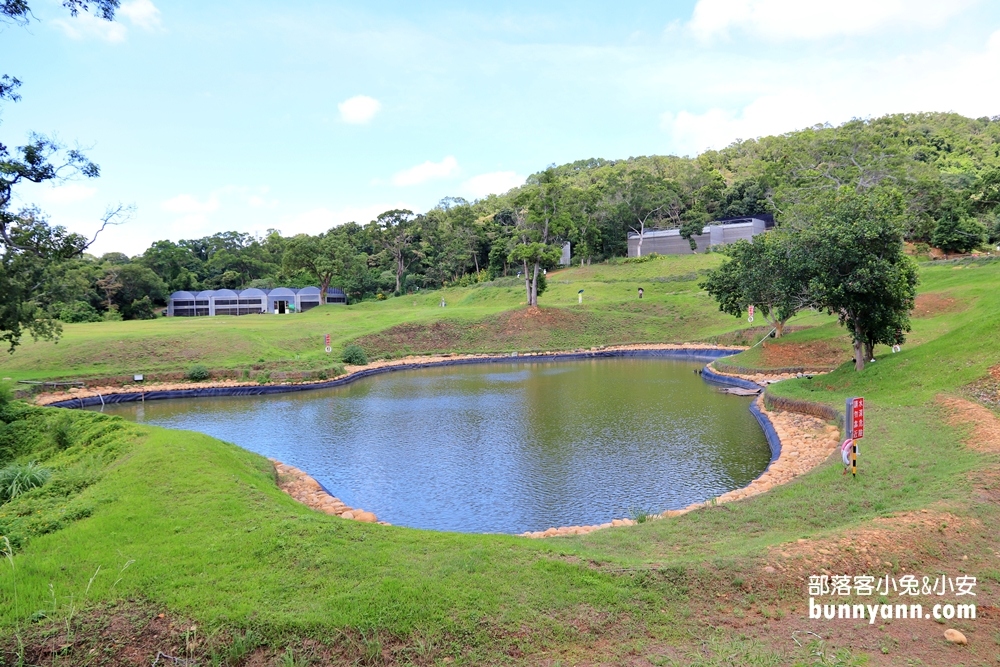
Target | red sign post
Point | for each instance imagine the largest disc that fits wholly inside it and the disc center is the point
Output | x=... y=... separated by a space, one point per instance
x=327 y=347
x=750 y=313
x=855 y=414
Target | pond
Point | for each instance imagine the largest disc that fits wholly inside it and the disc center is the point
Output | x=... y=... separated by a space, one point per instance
x=502 y=447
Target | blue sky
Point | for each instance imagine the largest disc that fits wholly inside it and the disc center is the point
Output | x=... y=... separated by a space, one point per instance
x=302 y=115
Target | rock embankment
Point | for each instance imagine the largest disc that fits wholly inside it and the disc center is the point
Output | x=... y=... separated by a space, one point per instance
x=577 y=530
x=308 y=491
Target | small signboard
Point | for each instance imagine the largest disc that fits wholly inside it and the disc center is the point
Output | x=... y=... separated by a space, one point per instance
x=750 y=313
x=856 y=417
x=327 y=340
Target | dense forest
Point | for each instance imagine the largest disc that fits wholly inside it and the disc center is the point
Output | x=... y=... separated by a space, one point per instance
x=945 y=167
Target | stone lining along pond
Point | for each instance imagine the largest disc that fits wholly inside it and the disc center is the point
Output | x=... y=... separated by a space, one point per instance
x=503 y=447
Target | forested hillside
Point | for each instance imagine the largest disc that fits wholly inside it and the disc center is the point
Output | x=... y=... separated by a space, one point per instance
x=947 y=168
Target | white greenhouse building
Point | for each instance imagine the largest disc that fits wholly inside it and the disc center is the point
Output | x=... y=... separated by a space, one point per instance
x=253 y=301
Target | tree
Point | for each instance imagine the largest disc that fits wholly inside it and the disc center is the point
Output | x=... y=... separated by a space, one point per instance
x=958 y=233
x=26 y=275
x=325 y=257
x=643 y=198
x=856 y=269
x=397 y=234
x=541 y=218
x=759 y=272
x=29 y=245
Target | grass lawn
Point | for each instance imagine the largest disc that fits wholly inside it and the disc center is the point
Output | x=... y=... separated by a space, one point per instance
x=195 y=529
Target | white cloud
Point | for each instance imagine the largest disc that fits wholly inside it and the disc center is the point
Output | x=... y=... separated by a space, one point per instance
x=69 y=193
x=813 y=19
x=85 y=25
x=142 y=13
x=359 y=109
x=810 y=93
x=188 y=204
x=318 y=220
x=493 y=183
x=716 y=128
x=427 y=171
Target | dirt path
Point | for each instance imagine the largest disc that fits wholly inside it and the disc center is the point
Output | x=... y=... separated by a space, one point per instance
x=985 y=434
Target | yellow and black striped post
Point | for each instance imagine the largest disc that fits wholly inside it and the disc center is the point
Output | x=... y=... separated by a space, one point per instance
x=854 y=418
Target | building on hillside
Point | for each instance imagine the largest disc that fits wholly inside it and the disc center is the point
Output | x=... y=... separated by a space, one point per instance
x=253 y=301
x=718 y=232
x=567 y=255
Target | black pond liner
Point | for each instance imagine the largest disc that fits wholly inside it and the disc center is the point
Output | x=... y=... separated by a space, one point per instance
x=692 y=354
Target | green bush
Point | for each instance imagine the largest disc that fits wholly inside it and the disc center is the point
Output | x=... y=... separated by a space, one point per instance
x=62 y=436
x=264 y=377
x=19 y=478
x=198 y=373
x=354 y=355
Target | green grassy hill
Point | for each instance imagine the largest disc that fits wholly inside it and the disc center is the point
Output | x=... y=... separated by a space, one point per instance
x=195 y=529
x=476 y=319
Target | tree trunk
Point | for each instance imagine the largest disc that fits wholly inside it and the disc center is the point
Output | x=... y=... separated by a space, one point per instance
x=638 y=250
x=779 y=328
x=527 y=283
x=869 y=352
x=324 y=287
x=475 y=258
x=399 y=273
x=859 y=349
x=534 y=286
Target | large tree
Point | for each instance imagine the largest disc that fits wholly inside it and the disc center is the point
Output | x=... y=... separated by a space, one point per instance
x=29 y=246
x=856 y=268
x=326 y=257
x=759 y=273
x=540 y=220
x=397 y=233
x=643 y=198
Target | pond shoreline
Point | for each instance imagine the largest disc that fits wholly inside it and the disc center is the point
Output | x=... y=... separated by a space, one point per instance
x=94 y=396
x=809 y=440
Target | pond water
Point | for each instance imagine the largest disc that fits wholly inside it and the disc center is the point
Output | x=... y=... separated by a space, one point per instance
x=503 y=447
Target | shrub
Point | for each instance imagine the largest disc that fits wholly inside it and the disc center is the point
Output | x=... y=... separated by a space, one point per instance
x=958 y=234
x=19 y=478
x=354 y=355
x=641 y=515
x=62 y=435
x=78 y=311
x=264 y=377
x=198 y=373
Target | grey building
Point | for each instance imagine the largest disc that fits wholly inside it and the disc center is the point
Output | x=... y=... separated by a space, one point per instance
x=719 y=232
x=251 y=301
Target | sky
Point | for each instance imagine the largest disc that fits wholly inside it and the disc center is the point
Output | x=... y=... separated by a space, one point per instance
x=298 y=116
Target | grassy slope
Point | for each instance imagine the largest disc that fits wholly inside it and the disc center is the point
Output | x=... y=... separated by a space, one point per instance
x=673 y=309
x=212 y=538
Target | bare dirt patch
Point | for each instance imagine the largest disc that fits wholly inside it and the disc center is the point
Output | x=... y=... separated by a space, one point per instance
x=985 y=434
x=935 y=303
x=902 y=540
x=818 y=353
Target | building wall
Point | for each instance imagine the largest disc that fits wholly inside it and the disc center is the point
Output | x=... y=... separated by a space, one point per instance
x=669 y=242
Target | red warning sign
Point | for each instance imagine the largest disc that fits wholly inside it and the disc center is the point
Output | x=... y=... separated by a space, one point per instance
x=857 y=418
